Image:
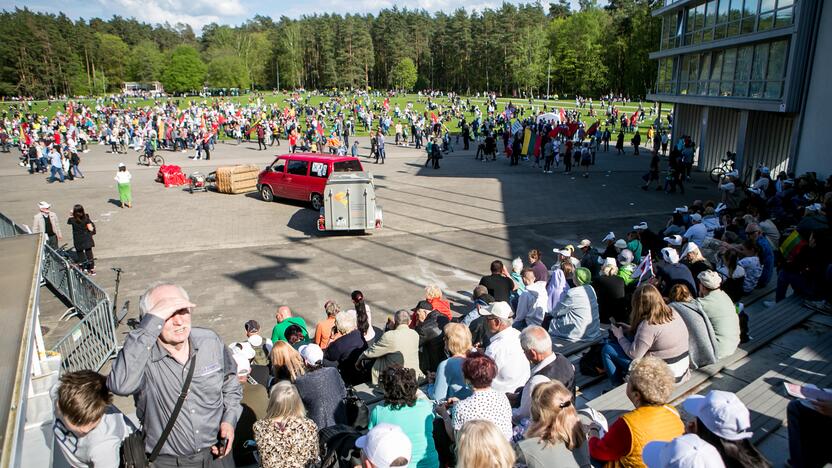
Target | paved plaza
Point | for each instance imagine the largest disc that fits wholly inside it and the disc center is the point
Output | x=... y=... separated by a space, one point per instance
x=240 y=257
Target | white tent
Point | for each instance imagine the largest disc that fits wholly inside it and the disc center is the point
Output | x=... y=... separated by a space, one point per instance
x=548 y=117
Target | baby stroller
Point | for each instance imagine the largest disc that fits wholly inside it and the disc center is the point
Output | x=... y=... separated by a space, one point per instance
x=197 y=183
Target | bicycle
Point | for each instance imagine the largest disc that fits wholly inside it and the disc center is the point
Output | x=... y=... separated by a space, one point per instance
x=726 y=167
x=146 y=158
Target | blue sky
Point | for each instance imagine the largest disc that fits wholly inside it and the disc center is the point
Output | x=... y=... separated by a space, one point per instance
x=200 y=12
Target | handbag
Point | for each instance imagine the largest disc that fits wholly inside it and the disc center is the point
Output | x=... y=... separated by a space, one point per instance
x=132 y=448
x=358 y=415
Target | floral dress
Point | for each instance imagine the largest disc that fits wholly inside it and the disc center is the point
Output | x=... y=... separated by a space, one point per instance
x=289 y=444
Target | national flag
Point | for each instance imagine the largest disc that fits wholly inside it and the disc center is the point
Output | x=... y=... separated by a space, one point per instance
x=591 y=131
x=792 y=245
x=527 y=141
x=537 y=143
x=516 y=127
x=644 y=271
x=562 y=115
x=571 y=128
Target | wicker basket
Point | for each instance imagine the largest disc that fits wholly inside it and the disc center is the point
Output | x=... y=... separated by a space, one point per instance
x=237 y=179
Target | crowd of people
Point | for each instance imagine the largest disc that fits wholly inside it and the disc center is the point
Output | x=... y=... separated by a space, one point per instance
x=435 y=122
x=483 y=388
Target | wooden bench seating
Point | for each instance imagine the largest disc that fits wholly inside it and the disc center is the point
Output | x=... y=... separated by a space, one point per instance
x=765 y=325
x=766 y=396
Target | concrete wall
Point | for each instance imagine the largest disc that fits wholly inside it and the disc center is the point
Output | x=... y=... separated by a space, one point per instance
x=813 y=141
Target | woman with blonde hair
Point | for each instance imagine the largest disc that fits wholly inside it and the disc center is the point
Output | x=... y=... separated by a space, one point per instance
x=286 y=437
x=556 y=436
x=649 y=387
x=322 y=388
x=449 y=381
x=433 y=294
x=481 y=445
x=287 y=363
x=654 y=330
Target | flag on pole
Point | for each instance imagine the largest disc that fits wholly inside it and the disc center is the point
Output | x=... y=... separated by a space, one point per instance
x=644 y=271
x=562 y=115
x=516 y=127
x=593 y=128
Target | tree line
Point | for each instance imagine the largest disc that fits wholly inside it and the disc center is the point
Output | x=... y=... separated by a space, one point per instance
x=513 y=50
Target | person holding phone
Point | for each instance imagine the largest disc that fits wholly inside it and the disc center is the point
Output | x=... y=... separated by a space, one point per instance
x=808 y=419
x=654 y=330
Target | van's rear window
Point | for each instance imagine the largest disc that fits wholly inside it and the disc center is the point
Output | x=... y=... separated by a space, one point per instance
x=347 y=166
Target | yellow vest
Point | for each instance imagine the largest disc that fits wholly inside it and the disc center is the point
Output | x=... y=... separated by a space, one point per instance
x=648 y=424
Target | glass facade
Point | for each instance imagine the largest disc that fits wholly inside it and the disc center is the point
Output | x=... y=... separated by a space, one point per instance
x=718 y=19
x=753 y=71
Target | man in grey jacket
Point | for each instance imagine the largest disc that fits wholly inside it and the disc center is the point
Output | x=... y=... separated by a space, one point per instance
x=152 y=366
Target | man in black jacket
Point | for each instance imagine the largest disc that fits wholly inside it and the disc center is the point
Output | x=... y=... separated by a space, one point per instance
x=546 y=365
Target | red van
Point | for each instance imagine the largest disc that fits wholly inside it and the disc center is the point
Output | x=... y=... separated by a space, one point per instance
x=302 y=176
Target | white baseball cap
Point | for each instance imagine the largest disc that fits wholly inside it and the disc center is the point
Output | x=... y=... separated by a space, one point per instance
x=696 y=218
x=674 y=240
x=625 y=257
x=563 y=252
x=255 y=340
x=689 y=247
x=243 y=366
x=621 y=244
x=43 y=205
x=384 y=444
x=610 y=236
x=670 y=255
x=685 y=451
x=499 y=309
x=311 y=353
x=681 y=209
x=722 y=413
x=584 y=243
x=640 y=226
x=710 y=279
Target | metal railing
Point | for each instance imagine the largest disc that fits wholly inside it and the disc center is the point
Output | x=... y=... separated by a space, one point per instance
x=91 y=342
x=8 y=228
x=78 y=288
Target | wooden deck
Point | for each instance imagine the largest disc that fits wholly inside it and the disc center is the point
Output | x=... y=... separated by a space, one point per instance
x=765 y=326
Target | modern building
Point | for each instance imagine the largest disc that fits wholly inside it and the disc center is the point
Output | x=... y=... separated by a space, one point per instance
x=749 y=76
x=134 y=88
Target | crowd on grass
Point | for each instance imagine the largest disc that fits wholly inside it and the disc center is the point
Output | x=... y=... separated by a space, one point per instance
x=485 y=387
x=55 y=144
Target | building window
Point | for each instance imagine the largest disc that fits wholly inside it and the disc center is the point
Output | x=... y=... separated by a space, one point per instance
x=664 y=83
x=776 y=70
x=726 y=87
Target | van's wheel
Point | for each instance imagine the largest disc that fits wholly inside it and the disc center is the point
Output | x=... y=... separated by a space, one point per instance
x=266 y=194
x=317 y=201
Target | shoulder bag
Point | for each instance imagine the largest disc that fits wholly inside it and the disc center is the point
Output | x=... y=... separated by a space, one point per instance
x=132 y=449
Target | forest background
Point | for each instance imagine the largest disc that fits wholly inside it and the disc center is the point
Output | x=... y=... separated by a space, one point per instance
x=513 y=50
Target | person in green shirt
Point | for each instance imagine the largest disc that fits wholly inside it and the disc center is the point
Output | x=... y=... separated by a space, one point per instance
x=413 y=415
x=720 y=310
x=285 y=320
x=634 y=244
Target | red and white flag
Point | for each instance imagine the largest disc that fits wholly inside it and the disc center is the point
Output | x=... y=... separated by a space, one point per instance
x=644 y=271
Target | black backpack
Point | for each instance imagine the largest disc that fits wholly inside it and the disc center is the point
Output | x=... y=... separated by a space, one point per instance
x=591 y=364
x=337 y=446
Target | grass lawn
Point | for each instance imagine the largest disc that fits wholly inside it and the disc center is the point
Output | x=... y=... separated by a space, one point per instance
x=419 y=103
